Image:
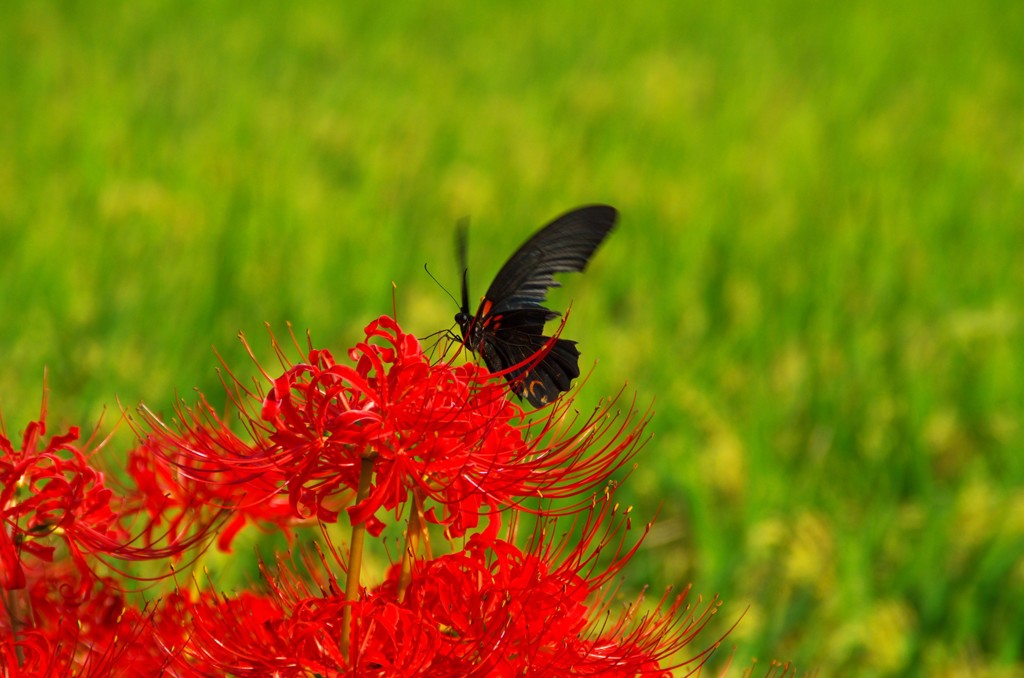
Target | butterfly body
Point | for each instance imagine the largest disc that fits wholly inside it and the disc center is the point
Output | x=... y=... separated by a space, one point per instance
x=508 y=327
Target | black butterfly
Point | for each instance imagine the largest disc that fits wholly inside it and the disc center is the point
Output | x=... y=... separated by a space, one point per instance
x=508 y=328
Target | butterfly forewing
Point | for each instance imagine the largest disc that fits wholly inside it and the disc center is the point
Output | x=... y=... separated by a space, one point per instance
x=563 y=246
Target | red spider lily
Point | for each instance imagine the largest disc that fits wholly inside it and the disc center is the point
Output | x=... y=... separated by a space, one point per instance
x=433 y=431
x=490 y=609
x=61 y=526
x=51 y=492
x=97 y=634
x=173 y=487
x=381 y=430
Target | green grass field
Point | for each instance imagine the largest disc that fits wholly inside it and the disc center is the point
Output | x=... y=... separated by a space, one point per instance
x=817 y=277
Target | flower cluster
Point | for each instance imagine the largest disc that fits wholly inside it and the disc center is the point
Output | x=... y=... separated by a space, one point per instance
x=489 y=609
x=386 y=437
x=434 y=432
x=61 y=525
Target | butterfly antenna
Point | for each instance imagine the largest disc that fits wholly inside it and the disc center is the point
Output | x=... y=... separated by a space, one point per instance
x=432 y=277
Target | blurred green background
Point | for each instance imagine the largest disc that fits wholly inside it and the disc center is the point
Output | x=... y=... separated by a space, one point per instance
x=817 y=277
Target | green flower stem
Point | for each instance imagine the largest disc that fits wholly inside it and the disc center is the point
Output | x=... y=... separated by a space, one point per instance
x=355 y=556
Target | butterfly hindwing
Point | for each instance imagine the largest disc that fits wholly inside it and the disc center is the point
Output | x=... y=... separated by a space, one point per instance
x=539 y=383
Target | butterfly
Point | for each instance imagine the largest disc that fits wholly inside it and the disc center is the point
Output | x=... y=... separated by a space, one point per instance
x=508 y=327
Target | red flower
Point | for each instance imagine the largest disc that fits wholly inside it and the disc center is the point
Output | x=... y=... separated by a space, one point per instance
x=49 y=493
x=52 y=495
x=490 y=609
x=435 y=433
x=177 y=480
x=97 y=634
x=385 y=429
x=61 y=526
